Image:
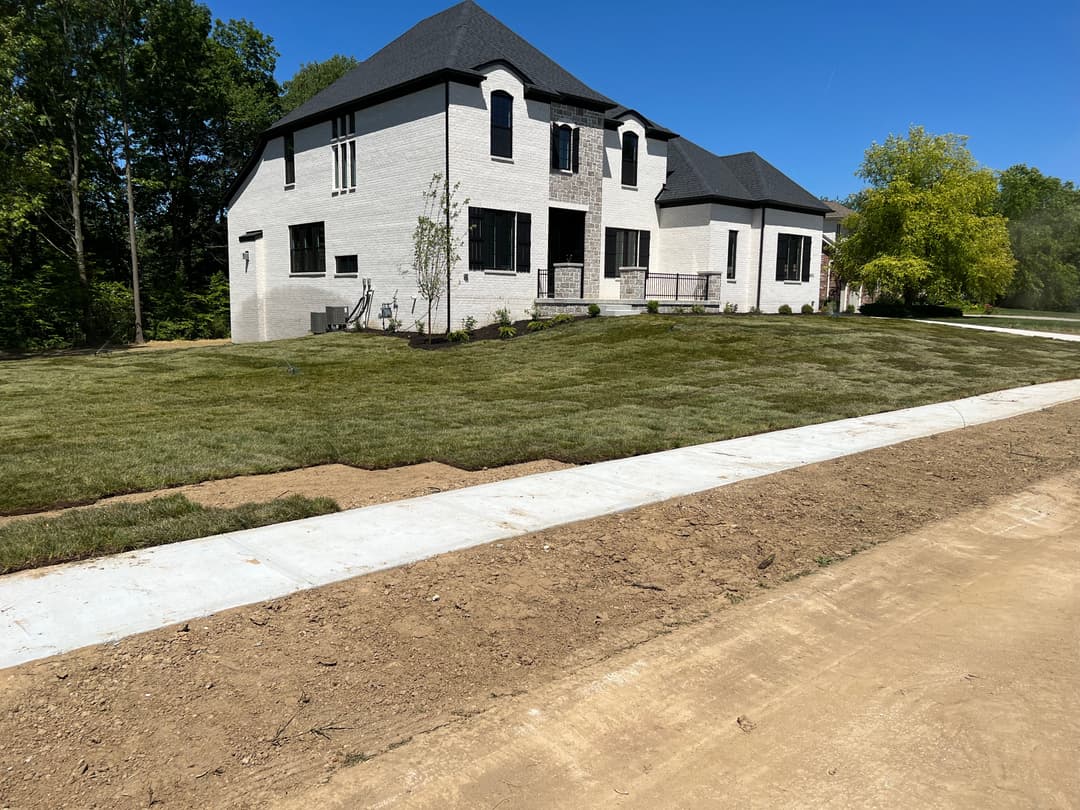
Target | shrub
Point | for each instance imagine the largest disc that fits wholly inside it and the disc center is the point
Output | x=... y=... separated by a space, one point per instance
x=468 y=325
x=697 y=309
x=850 y=309
x=679 y=310
x=562 y=317
x=419 y=327
x=653 y=307
x=807 y=309
x=507 y=331
x=113 y=310
x=730 y=308
x=784 y=309
x=460 y=336
x=536 y=326
x=594 y=310
x=755 y=310
x=392 y=325
x=503 y=317
x=896 y=309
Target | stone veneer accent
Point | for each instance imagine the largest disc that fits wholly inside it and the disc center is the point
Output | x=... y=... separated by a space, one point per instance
x=568 y=281
x=632 y=283
x=585 y=187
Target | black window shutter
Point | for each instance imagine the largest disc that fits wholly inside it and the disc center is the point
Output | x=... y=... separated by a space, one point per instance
x=524 y=242
x=781 y=256
x=806 y=258
x=611 y=261
x=554 y=147
x=476 y=239
x=643 y=249
x=577 y=149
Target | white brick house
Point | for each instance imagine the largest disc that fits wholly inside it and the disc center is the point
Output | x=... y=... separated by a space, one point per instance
x=572 y=198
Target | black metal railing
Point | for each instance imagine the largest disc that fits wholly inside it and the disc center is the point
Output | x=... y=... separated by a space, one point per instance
x=677 y=286
x=545 y=282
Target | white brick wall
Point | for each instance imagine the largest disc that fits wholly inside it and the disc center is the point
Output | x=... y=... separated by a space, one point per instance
x=794 y=294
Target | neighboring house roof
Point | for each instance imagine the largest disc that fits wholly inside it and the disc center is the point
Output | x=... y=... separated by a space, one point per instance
x=838 y=212
x=696 y=175
x=452 y=44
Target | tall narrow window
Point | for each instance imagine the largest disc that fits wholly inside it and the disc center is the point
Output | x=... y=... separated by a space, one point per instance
x=502 y=124
x=732 y=250
x=290 y=160
x=562 y=148
x=343 y=144
x=629 y=159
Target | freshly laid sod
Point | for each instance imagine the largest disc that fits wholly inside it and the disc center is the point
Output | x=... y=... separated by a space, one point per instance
x=1072 y=316
x=74 y=429
x=94 y=531
x=1068 y=325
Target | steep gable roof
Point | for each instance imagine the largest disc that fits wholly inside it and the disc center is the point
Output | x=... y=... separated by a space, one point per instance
x=457 y=41
x=697 y=175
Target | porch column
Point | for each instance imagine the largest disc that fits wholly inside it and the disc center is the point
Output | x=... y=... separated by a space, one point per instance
x=632 y=283
x=568 y=279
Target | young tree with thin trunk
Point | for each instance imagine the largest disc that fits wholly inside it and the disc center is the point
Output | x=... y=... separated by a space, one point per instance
x=436 y=248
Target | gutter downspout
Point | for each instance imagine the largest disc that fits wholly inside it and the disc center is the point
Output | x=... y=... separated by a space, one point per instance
x=446 y=191
x=760 y=259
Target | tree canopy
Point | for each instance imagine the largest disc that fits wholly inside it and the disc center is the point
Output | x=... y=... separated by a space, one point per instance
x=926 y=227
x=1044 y=229
x=312 y=78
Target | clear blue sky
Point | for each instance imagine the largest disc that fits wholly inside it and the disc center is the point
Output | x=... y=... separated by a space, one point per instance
x=806 y=85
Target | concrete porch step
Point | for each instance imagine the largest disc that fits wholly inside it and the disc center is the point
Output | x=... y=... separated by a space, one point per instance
x=617 y=310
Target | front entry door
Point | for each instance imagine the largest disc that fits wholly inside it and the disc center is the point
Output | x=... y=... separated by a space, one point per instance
x=566 y=236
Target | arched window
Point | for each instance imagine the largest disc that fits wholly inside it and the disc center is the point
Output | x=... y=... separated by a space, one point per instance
x=565 y=148
x=629 y=159
x=502 y=124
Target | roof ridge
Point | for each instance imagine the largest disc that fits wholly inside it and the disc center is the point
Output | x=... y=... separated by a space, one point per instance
x=466 y=9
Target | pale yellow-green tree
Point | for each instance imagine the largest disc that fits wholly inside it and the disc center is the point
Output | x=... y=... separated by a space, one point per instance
x=926 y=228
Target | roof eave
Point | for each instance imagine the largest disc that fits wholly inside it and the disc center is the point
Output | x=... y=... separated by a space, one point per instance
x=535 y=93
x=700 y=199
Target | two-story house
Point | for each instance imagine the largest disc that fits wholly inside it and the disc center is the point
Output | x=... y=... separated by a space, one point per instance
x=572 y=198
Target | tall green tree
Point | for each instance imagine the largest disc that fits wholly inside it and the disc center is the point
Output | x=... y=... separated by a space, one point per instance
x=1044 y=229
x=926 y=227
x=312 y=78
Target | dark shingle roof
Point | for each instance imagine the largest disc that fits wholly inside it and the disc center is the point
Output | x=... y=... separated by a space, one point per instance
x=839 y=210
x=697 y=175
x=460 y=39
x=653 y=130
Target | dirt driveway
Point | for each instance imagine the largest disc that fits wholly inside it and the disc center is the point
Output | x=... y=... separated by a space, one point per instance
x=263 y=703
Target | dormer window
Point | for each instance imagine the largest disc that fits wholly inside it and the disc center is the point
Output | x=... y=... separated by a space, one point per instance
x=629 y=159
x=502 y=124
x=565 y=148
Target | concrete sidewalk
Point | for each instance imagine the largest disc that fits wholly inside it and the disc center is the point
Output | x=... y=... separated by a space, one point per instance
x=49 y=611
x=1072 y=338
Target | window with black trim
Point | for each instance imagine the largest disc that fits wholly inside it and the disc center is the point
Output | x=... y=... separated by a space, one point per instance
x=307 y=248
x=502 y=124
x=625 y=248
x=499 y=240
x=565 y=148
x=343 y=144
x=732 y=250
x=792 y=257
x=290 y=160
x=629 y=158
x=346 y=265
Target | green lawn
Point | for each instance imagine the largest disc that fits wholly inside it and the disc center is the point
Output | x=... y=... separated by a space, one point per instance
x=1069 y=325
x=74 y=429
x=99 y=530
x=1071 y=316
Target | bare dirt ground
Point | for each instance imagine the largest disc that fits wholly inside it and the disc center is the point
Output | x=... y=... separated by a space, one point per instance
x=938 y=670
x=251 y=705
x=350 y=487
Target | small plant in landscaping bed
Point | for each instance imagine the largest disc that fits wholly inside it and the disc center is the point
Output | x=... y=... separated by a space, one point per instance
x=653 y=307
x=507 y=331
x=680 y=310
x=594 y=310
x=536 y=326
x=460 y=336
x=730 y=308
x=502 y=316
x=468 y=325
x=850 y=309
x=697 y=309
x=784 y=309
x=807 y=309
x=392 y=326
x=755 y=310
x=562 y=317
x=419 y=325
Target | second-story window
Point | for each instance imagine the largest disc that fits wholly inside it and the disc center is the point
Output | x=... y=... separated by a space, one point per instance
x=629 y=159
x=290 y=160
x=502 y=124
x=343 y=144
x=565 y=148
